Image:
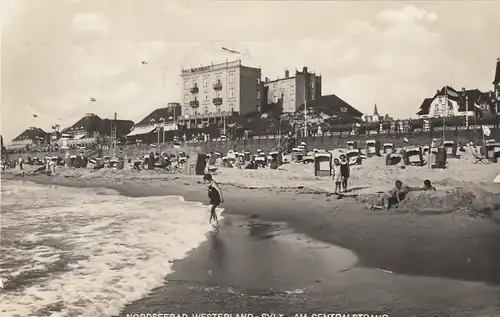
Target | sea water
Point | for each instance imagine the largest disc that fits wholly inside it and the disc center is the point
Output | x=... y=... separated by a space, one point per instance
x=88 y=252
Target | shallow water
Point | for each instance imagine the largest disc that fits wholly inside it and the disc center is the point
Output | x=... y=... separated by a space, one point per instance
x=88 y=252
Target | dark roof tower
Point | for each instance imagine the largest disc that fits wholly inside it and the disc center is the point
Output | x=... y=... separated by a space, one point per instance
x=496 y=81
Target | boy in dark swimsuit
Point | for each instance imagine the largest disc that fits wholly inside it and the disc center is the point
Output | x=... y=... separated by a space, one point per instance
x=344 y=171
x=215 y=196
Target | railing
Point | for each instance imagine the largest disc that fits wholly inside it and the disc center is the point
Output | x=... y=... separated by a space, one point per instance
x=217 y=86
x=194 y=103
x=194 y=89
x=217 y=101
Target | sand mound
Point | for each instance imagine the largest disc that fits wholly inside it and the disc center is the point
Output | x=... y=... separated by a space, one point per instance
x=472 y=201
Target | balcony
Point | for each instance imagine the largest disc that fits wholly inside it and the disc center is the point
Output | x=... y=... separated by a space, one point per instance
x=218 y=86
x=194 y=89
x=217 y=101
x=194 y=103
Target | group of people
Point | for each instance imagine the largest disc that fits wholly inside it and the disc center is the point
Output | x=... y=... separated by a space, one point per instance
x=341 y=173
x=398 y=193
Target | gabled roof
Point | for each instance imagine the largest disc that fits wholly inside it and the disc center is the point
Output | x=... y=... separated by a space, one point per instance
x=165 y=113
x=425 y=106
x=333 y=105
x=496 y=80
x=31 y=134
x=123 y=127
x=472 y=96
x=88 y=123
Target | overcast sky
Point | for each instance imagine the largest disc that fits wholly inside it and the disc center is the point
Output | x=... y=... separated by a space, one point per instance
x=57 y=54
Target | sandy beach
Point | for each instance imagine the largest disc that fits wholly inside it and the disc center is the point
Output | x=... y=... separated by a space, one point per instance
x=435 y=255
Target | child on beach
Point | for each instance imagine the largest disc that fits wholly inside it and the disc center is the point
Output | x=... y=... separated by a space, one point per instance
x=337 y=177
x=344 y=171
x=428 y=186
x=215 y=196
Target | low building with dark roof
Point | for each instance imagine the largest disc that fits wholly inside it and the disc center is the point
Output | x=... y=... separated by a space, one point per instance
x=449 y=102
x=162 y=121
x=333 y=106
x=29 y=137
x=85 y=127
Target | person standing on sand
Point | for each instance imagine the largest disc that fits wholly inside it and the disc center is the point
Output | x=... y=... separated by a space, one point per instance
x=215 y=196
x=337 y=177
x=344 y=171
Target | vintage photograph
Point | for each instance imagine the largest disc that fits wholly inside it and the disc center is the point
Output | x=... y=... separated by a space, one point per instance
x=217 y=158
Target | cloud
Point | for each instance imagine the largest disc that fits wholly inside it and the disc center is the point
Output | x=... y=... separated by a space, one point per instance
x=89 y=23
x=366 y=52
x=409 y=14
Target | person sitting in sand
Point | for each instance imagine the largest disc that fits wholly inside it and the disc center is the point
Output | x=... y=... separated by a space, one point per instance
x=393 y=196
x=337 y=177
x=428 y=186
x=215 y=196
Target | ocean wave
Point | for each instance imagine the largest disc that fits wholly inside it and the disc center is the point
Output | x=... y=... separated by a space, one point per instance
x=88 y=252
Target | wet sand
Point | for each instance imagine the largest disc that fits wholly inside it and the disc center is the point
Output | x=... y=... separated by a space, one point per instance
x=408 y=264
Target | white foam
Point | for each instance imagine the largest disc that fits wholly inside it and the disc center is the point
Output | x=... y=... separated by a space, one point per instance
x=118 y=248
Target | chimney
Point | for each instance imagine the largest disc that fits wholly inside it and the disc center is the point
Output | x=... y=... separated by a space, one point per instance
x=116 y=116
x=267 y=79
x=304 y=69
x=287 y=73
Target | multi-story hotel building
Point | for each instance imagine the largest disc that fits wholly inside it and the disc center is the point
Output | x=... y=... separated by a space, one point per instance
x=293 y=91
x=219 y=90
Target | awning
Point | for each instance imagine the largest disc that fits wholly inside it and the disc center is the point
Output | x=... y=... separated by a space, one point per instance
x=170 y=127
x=141 y=130
x=78 y=136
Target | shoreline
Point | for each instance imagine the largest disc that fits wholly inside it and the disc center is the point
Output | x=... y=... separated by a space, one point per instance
x=407 y=265
x=451 y=246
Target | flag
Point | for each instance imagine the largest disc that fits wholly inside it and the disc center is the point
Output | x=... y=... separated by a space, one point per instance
x=405 y=140
x=93 y=100
x=486 y=130
x=35 y=116
x=230 y=51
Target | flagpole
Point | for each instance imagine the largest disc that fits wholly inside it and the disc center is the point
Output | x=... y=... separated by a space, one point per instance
x=444 y=111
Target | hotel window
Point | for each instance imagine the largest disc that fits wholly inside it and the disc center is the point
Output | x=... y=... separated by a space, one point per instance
x=292 y=90
x=217 y=79
x=186 y=85
x=275 y=98
x=274 y=87
x=258 y=94
x=231 y=78
x=186 y=99
x=205 y=109
x=194 y=83
x=231 y=107
x=205 y=82
x=205 y=96
x=232 y=94
x=217 y=94
x=217 y=109
x=258 y=81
